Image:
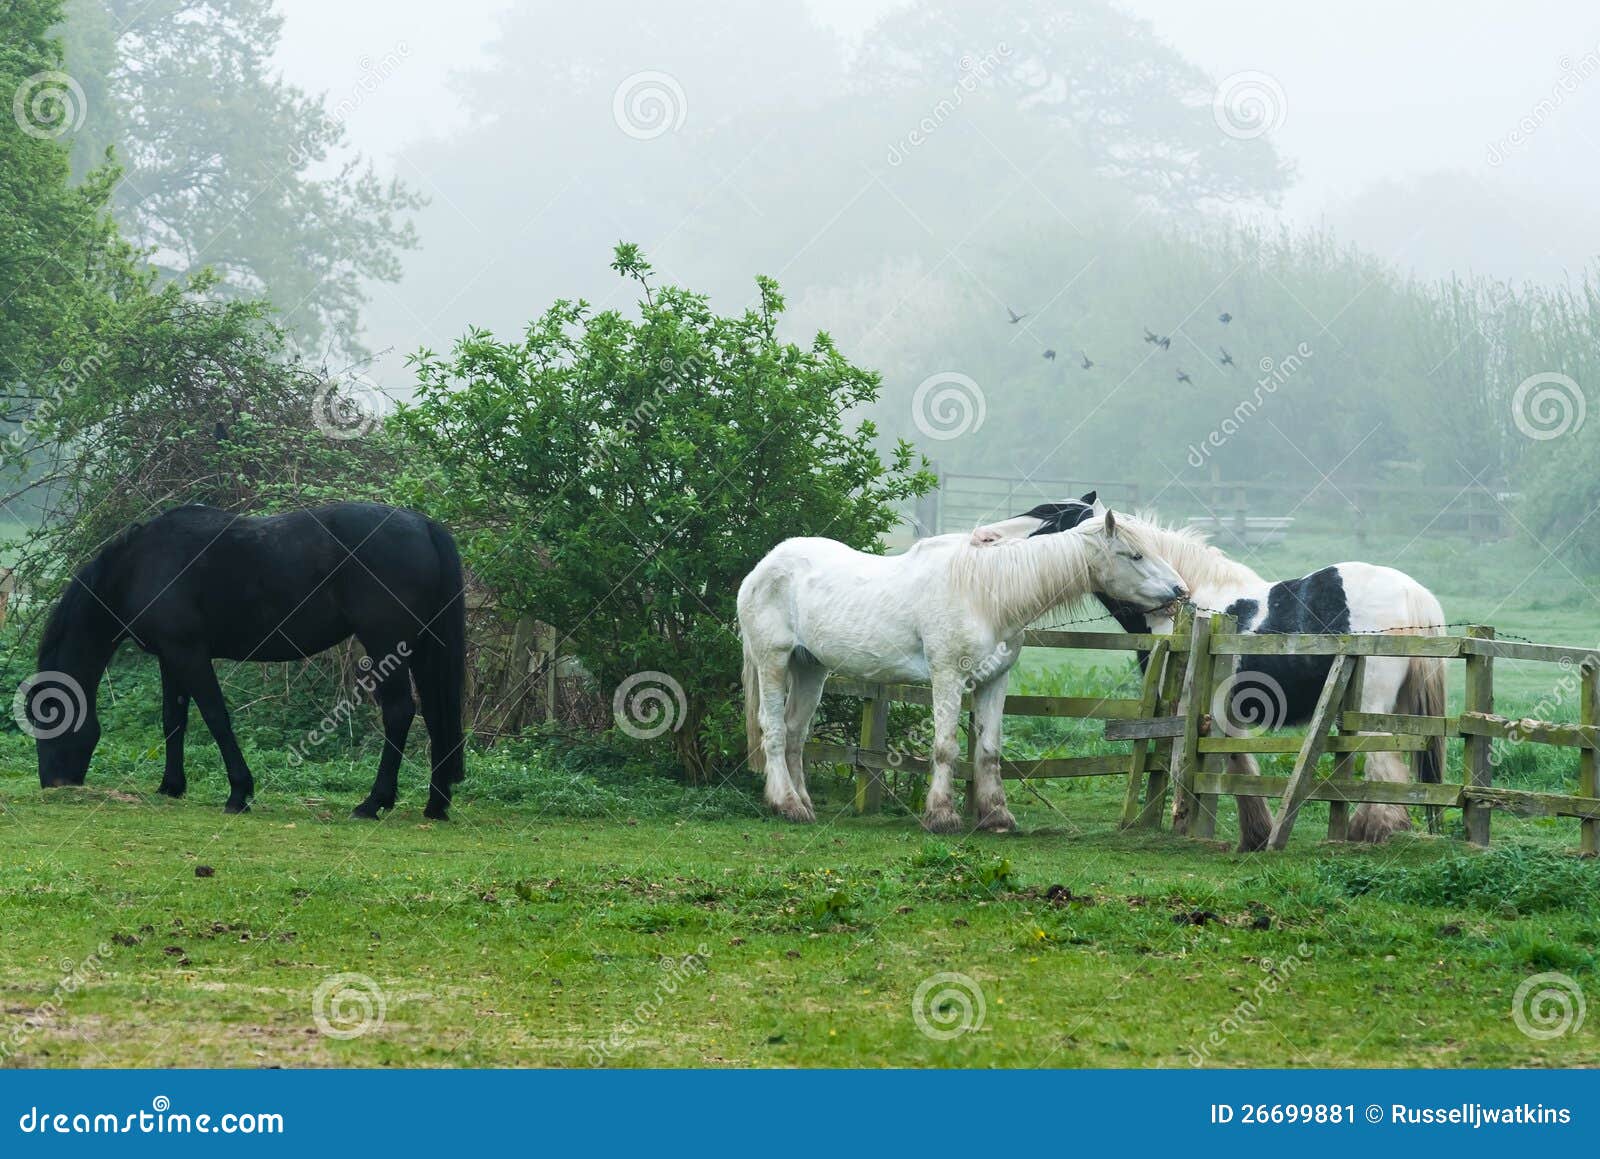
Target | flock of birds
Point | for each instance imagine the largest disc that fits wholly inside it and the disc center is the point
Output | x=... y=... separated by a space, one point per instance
x=1162 y=340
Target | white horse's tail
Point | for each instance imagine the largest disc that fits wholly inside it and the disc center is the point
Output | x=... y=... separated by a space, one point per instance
x=752 y=713
x=1423 y=691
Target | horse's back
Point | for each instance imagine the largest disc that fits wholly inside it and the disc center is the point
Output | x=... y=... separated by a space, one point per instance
x=851 y=610
x=281 y=586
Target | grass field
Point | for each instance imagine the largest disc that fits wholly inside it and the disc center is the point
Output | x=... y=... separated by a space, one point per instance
x=510 y=938
x=583 y=908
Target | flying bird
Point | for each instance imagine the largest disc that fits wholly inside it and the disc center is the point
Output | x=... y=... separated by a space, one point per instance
x=1015 y=317
x=1050 y=355
x=1164 y=342
x=1227 y=359
x=1184 y=377
x=1224 y=317
x=1150 y=335
x=1088 y=364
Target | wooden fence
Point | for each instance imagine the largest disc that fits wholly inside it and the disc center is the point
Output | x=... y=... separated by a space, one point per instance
x=1172 y=751
x=1355 y=506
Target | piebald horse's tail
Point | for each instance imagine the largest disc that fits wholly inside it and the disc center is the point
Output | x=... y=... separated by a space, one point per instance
x=752 y=713
x=1422 y=693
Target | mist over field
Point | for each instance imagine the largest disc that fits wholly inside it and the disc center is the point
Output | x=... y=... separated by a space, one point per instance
x=1392 y=206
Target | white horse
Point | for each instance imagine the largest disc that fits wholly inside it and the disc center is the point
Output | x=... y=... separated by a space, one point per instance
x=945 y=613
x=1274 y=691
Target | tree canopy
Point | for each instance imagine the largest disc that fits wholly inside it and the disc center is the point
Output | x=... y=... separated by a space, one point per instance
x=227 y=166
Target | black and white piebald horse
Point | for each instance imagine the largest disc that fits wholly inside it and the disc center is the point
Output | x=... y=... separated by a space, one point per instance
x=1265 y=692
x=1045 y=519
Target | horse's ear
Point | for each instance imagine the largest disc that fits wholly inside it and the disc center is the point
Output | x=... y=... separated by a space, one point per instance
x=1099 y=507
x=1090 y=497
x=1111 y=524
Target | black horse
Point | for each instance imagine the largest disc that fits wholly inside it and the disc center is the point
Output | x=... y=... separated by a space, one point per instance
x=197 y=583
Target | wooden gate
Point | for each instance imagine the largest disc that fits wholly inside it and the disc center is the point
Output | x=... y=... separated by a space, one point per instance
x=1171 y=748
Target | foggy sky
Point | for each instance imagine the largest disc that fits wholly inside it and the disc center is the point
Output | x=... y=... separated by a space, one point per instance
x=1393 y=113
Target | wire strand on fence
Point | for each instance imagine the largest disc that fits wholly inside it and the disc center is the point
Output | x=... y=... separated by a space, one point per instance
x=1399 y=629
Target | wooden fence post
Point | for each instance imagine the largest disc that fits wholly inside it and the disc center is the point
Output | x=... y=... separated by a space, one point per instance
x=1344 y=765
x=1303 y=778
x=874 y=737
x=1589 y=759
x=1204 y=825
x=1478 y=771
x=1196 y=702
x=1155 y=798
x=1154 y=671
x=552 y=674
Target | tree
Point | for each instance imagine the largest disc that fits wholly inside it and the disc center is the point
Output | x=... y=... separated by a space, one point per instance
x=225 y=165
x=618 y=478
x=60 y=257
x=181 y=398
x=1123 y=103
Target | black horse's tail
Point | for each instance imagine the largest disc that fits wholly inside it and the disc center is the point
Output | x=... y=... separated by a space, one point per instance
x=446 y=646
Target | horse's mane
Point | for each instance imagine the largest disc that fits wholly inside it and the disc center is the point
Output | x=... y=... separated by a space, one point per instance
x=79 y=594
x=1189 y=550
x=1016 y=581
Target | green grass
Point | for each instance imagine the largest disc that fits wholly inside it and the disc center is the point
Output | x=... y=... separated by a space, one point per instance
x=522 y=935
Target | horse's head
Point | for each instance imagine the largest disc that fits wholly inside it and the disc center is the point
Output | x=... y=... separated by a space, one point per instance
x=54 y=709
x=56 y=705
x=1127 y=571
x=1045 y=519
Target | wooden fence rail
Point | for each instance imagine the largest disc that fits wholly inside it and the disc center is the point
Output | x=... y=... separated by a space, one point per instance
x=1173 y=750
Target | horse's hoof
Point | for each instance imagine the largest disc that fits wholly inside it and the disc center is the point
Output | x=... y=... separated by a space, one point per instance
x=943 y=819
x=364 y=812
x=236 y=807
x=1375 y=824
x=794 y=810
x=434 y=814
x=170 y=790
x=998 y=821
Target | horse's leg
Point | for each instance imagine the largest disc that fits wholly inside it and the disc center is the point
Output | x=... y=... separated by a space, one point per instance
x=195 y=673
x=1380 y=692
x=399 y=709
x=773 y=678
x=174 y=723
x=940 y=815
x=441 y=786
x=988 y=709
x=805 y=693
x=1255 y=819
